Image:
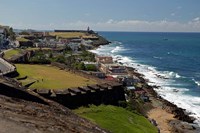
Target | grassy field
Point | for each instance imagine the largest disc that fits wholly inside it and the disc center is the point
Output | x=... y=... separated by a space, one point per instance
x=48 y=77
x=22 y=39
x=116 y=119
x=10 y=53
x=67 y=34
x=35 y=49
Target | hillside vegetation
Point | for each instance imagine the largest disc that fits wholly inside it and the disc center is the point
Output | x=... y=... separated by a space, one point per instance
x=117 y=119
x=10 y=53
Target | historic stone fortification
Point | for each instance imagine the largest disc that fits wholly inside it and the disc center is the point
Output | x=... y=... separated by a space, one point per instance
x=5 y=67
x=23 y=57
x=25 y=111
x=110 y=93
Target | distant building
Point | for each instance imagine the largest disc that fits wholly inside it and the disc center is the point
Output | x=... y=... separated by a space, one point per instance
x=88 y=29
x=74 y=46
x=113 y=69
x=64 y=41
x=90 y=63
x=87 y=44
x=76 y=40
x=129 y=81
x=104 y=59
x=3 y=35
x=99 y=74
x=38 y=34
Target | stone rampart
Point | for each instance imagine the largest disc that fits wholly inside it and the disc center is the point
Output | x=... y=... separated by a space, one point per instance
x=109 y=93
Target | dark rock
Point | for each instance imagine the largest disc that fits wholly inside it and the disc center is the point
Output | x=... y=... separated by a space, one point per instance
x=183 y=127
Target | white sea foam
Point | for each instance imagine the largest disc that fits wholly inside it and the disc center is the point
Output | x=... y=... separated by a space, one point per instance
x=171 y=74
x=196 y=82
x=164 y=79
x=116 y=42
x=117 y=49
x=157 y=57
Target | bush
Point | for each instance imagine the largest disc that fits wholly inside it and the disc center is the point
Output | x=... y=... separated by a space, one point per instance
x=91 y=67
x=39 y=58
x=36 y=60
x=88 y=56
x=79 y=66
x=60 y=59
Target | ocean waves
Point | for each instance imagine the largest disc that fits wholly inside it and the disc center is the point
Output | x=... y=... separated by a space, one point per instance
x=196 y=82
x=168 y=83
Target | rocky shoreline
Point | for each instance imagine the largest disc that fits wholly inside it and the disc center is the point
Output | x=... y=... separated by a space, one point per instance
x=183 y=122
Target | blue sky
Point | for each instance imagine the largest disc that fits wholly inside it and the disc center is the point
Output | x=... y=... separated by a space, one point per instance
x=104 y=15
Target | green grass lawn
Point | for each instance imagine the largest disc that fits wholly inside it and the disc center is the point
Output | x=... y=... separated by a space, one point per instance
x=21 y=39
x=11 y=53
x=36 y=49
x=48 y=77
x=67 y=34
x=116 y=119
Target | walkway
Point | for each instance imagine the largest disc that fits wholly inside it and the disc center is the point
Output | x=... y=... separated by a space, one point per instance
x=6 y=67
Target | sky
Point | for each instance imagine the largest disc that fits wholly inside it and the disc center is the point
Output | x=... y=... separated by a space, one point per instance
x=102 y=15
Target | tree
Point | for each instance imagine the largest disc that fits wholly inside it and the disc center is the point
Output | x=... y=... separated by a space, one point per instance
x=91 y=67
x=11 y=34
x=81 y=66
x=24 y=33
x=82 y=47
x=60 y=59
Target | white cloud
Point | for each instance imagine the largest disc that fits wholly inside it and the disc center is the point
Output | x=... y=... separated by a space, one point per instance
x=196 y=19
x=110 y=21
x=173 y=14
x=122 y=25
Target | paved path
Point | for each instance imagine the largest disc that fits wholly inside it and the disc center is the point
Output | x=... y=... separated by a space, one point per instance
x=5 y=67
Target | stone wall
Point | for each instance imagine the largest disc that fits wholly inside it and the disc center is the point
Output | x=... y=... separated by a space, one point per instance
x=72 y=98
x=22 y=58
x=8 y=68
x=10 y=90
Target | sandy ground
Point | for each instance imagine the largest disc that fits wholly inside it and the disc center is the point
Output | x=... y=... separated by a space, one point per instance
x=161 y=116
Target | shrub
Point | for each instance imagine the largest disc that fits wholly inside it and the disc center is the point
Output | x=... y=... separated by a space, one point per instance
x=60 y=59
x=91 y=67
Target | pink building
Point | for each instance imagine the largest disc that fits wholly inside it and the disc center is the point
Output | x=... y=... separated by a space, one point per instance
x=104 y=59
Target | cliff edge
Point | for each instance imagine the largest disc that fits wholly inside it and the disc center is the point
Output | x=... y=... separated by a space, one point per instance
x=26 y=112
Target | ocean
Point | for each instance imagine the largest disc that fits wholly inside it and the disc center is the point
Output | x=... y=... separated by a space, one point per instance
x=168 y=60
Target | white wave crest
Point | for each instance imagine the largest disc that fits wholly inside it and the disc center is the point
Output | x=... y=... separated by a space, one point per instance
x=164 y=79
x=117 y=49
x=196 y=82
x=157 y=57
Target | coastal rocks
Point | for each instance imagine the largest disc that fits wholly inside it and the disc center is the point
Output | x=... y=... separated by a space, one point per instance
x=183 y=127
x=179 y=113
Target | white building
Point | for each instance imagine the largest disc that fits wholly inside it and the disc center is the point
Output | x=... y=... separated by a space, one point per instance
x=74 y=46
